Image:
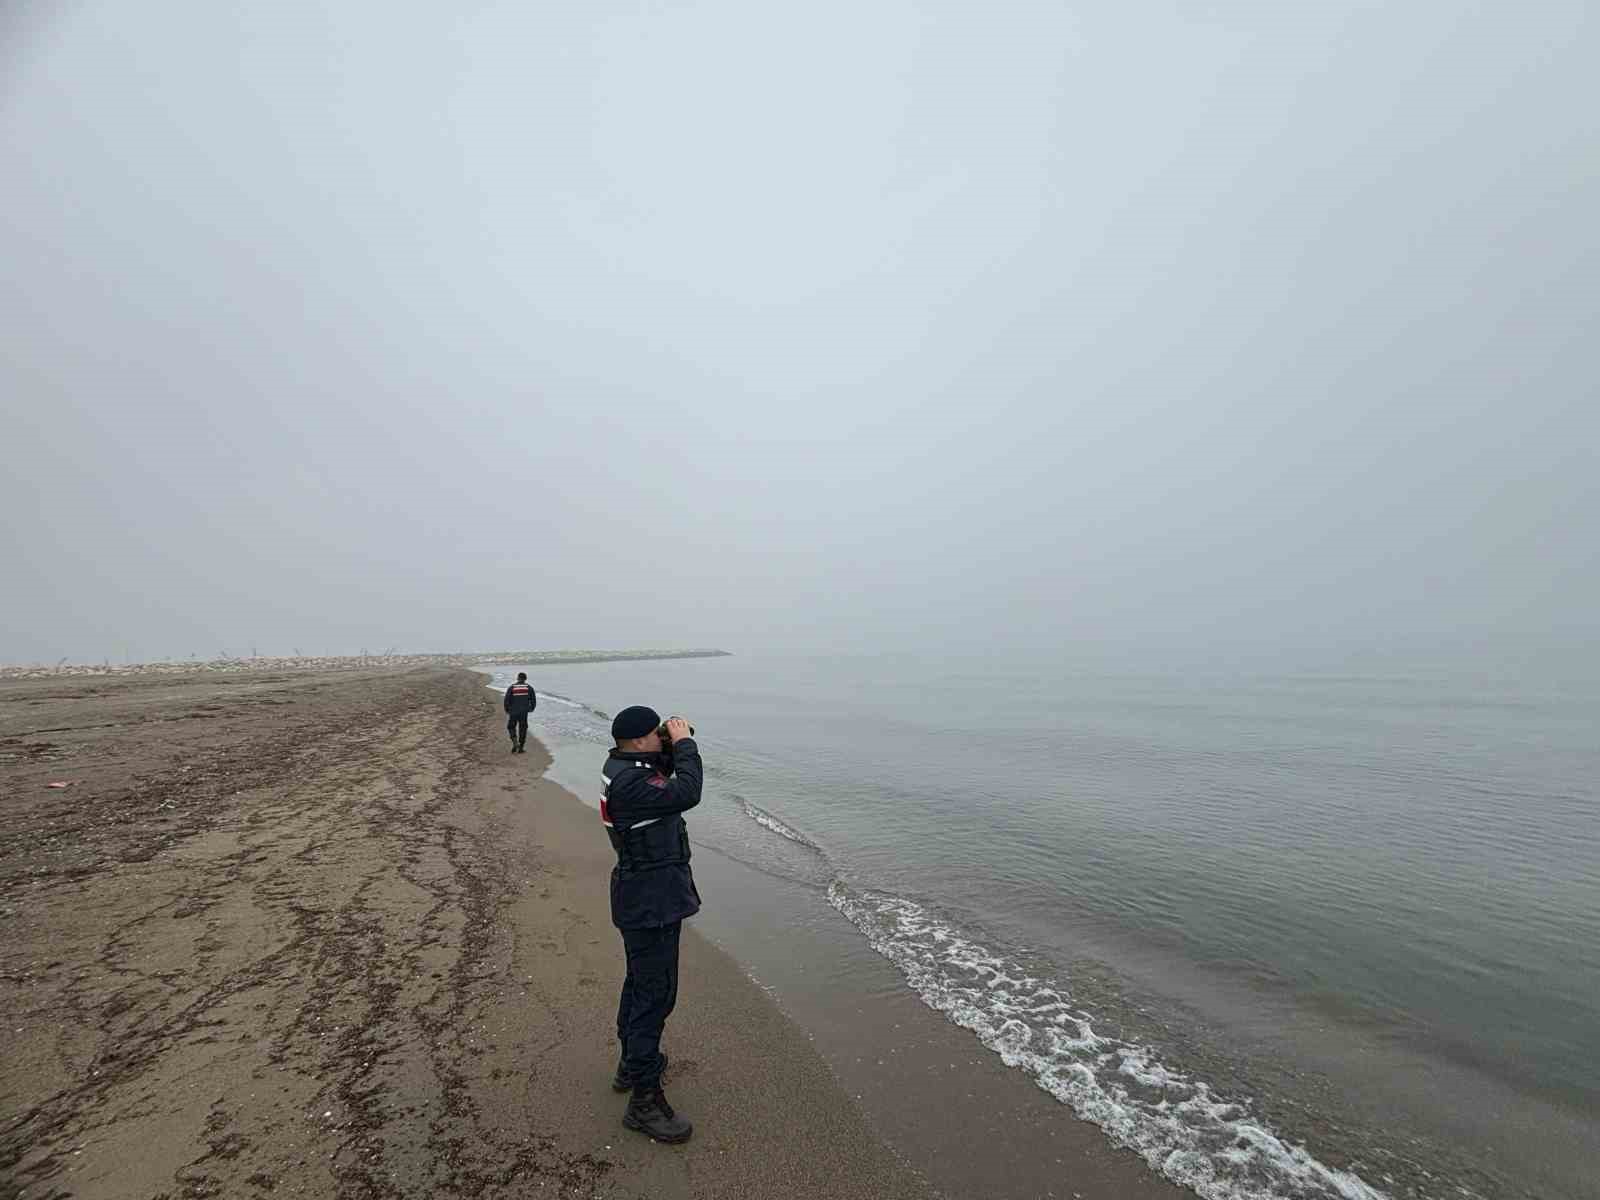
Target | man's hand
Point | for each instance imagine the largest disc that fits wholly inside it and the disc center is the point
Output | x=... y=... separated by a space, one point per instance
x=677 y=728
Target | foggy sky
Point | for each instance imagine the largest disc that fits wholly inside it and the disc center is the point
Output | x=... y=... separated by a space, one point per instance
x=829 y=325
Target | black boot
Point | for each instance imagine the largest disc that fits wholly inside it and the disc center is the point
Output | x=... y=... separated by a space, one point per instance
x=622 y=1081
x=649 y=1113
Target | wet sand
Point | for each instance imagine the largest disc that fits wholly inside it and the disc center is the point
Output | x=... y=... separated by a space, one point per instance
x=319 y=934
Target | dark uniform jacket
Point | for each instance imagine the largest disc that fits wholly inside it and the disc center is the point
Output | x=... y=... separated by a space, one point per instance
x=520 y=700
x=642 y=808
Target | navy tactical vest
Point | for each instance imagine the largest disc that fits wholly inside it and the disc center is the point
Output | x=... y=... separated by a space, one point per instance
x=642 y=845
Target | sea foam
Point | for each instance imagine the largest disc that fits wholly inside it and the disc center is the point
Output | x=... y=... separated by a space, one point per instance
x=1174 y=1121
x=763 y=818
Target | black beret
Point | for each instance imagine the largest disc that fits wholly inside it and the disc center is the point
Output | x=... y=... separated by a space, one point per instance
x=634 y=722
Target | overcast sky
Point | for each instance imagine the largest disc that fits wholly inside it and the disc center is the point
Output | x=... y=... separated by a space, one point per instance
x=832 y=324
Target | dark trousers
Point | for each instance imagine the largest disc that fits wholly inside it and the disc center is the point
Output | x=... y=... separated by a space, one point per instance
x=648 y=995
x=517 y=727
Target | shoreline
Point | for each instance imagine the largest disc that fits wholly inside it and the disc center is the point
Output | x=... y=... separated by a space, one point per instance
x=320 y=936
x=1349 y=1099
x=939 y=1097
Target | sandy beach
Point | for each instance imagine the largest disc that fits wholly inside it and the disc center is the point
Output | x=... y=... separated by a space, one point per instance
x=317 y=934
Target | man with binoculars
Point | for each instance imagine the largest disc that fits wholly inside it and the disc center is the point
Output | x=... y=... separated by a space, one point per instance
x=652 y=778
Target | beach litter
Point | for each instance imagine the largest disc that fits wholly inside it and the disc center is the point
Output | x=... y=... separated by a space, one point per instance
x=60 y=783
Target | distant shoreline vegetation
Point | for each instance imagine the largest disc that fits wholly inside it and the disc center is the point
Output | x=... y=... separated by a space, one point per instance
x=346 y=662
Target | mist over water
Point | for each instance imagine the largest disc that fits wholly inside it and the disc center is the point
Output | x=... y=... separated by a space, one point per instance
x=1318 y=887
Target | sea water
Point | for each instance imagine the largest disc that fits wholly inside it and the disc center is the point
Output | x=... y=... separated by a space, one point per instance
x=1323 y=929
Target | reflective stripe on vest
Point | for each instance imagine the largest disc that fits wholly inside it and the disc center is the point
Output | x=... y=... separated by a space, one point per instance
x=619 y=837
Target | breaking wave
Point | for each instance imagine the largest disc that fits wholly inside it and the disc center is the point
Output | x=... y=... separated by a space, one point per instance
x=1176 y=1122
x=762 y=817
x=571 y=703
x=1172 y=1120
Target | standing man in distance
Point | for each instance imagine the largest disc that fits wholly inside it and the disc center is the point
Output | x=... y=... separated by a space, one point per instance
x=520 y=701
x=649 y=785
